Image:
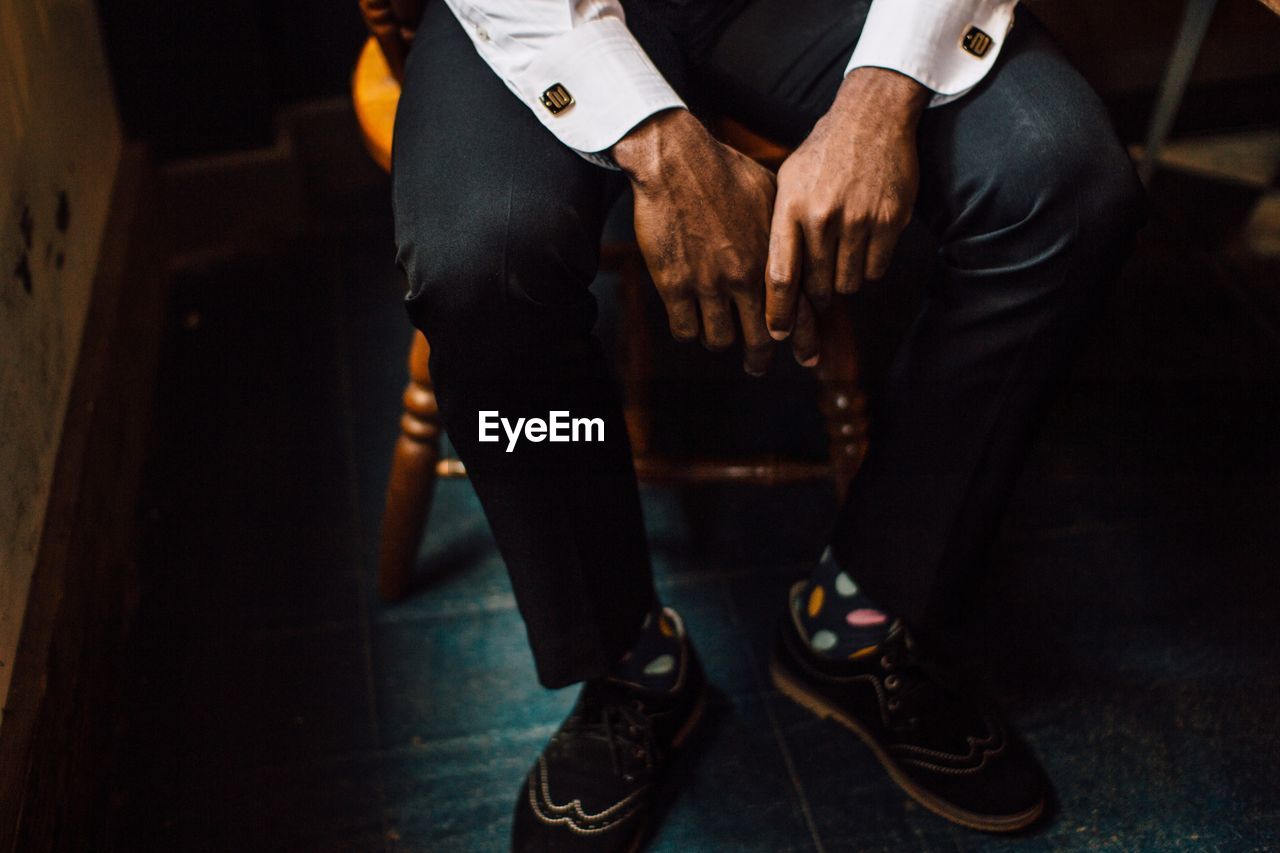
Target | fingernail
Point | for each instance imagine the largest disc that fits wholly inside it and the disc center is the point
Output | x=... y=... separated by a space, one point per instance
x=755 y=373
x=779 y=334
x=811 y=361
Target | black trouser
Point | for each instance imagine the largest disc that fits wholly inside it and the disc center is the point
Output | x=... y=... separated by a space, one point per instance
x=1023 y=183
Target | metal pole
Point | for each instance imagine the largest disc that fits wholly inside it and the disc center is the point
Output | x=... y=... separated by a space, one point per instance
x=1195 y=23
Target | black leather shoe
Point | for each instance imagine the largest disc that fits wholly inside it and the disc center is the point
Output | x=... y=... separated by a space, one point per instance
x=951 y=756
x=593 y=788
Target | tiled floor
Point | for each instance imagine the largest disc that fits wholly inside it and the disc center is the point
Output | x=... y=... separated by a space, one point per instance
x=1130 y=621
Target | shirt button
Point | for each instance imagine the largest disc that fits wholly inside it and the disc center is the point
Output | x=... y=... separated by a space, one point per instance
x=482 y=34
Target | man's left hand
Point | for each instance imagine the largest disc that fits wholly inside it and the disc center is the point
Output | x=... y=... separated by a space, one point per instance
x=845 y=195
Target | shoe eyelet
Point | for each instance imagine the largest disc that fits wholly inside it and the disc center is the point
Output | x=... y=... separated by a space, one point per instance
x=893 y=682
x=894 y=704
x=885 y=663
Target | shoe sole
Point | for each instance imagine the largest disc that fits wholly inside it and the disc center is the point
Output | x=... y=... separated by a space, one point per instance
x=695 y=716
x=818 y=706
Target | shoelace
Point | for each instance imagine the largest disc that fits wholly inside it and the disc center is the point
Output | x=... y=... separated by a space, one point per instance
x=623 y=723
x=628 y=728
x=911 y=691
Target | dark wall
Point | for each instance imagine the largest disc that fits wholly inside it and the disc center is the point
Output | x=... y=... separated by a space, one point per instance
x=196 y=77
x=1122 y=49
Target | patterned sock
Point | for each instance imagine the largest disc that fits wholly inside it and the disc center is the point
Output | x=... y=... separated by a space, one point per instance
x=840 y=621
x=655 y=661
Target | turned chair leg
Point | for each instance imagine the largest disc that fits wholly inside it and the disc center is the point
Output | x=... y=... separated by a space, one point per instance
x=413 y=477
x=843 y=403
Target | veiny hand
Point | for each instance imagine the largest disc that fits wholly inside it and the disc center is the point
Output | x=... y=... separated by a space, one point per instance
x=702 y=214
x=844 y=196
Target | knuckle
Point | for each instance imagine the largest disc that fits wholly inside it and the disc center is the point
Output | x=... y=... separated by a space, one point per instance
x=888 y=220
x=819 y=218
x=790 y=206
x=707 y=290
x=734 y=272
x=856 y=220
x=743 y=278
x=718 y=336
x=820 y=275
x=669 y=287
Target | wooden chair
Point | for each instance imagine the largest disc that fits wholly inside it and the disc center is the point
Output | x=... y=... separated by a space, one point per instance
x=417 y=462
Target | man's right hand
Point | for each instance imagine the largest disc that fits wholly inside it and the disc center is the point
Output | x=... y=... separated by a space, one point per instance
x=702 y=216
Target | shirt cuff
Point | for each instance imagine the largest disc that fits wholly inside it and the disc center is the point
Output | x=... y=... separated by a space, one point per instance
x=613 y=84
x=944 y=45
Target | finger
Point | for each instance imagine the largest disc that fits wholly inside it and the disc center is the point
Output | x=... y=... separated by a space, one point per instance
x=819 y=265
x=717 y=321
x=851 y=257
x=757 y=346
x=682 y=314
x=782 y=271
x=880 y=250
x=805 y=344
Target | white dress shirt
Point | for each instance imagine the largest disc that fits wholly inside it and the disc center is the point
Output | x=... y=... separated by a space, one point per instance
x=548 y=51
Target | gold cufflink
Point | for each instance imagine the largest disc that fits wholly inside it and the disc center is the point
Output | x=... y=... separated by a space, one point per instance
x=557 y=99
x=976 y=42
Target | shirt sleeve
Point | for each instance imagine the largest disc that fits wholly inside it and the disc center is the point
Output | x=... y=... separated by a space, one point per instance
x=946 y=45
x=573 y=62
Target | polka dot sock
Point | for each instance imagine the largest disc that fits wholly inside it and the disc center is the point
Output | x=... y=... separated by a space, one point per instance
x=839 y=620
x=655 y=661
